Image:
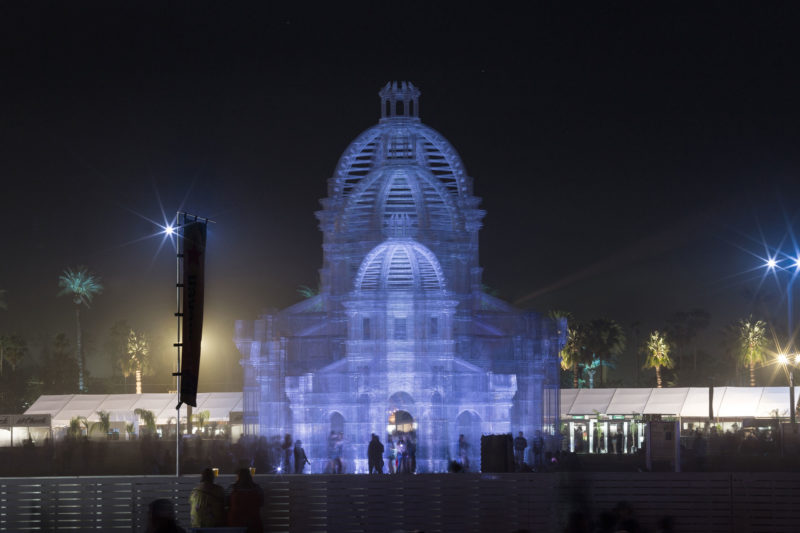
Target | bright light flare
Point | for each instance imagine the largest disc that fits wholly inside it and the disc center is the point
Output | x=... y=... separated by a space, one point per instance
x=169 y=230
x=771 y=263
x=783 y=359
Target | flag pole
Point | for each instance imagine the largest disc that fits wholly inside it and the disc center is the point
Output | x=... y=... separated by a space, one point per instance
x=178 y=316
x=180 y=220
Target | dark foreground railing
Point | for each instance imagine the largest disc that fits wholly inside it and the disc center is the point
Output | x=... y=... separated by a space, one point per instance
x=702 y=502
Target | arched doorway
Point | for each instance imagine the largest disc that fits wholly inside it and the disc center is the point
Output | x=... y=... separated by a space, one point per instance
x=402 y=430
x=468 y=424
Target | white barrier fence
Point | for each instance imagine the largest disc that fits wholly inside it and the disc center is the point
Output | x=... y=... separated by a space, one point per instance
x=702 y=502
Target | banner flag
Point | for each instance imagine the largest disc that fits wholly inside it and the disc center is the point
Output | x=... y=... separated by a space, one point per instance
x=194 y=250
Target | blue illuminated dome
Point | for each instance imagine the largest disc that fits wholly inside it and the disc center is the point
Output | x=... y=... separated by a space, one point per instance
x=402 y=328
x=400 y=265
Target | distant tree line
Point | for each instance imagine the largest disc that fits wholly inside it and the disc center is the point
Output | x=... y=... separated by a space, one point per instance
x=596 y=348
x=60 y=366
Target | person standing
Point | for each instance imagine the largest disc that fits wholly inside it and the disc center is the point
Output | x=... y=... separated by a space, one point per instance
x=411 y=452
x=207 y=502
x=245 y=500
x=300 y=459
x=538 y=450
x=401 y=456
x=390 y=453
x=463 y=452
x=375 y=455
x=520 y=443
x=287 y=453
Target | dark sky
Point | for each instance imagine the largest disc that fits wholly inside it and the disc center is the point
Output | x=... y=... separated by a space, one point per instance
x=628 y=158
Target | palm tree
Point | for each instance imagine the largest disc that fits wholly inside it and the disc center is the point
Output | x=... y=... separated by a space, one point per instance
x=81 y=285
x=83 y=424
x=74 y=430
x=572 y=354
x=138 y=358
x=129 y=428
x=658 y=354
x=752 y=344
x=149 y=419
x=604 y=340
x=13 y=348
x=104 y=423
x=202 y=417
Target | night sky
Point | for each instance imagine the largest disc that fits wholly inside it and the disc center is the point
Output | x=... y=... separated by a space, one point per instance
x=629 y=160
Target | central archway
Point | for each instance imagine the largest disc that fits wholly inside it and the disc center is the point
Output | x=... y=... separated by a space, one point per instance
x=402 y=431
x=400 y=423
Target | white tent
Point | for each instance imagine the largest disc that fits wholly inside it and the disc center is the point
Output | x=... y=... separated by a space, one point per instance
x=121 y=406
x=686 y=402
x=590 y=401
x=628 y=401
x=666 y=401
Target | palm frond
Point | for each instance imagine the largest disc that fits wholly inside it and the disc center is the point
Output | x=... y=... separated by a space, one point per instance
x=752 y=336
x=657 y=349
x=80 y=284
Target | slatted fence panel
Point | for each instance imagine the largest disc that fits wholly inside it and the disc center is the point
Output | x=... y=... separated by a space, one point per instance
x=697 y=501
x=766 y=502
x=740 y=502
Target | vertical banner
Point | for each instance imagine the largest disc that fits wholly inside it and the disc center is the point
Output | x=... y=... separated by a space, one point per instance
x=194 y=251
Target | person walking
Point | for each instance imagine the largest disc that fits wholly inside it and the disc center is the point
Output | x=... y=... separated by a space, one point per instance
x=245 y=502
x=375 y=455
x=300 y=459
x=207 y=502
x=520 y=443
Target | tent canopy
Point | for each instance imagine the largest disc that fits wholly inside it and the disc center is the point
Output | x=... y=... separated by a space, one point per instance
x=691 y=402
x=121 y=407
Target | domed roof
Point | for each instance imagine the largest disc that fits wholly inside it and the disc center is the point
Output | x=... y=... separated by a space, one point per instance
x=400 y=138
x=400 y=264
x=401 y=190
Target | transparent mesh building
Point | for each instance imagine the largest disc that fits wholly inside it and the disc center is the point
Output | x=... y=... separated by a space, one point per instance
x=401 y=340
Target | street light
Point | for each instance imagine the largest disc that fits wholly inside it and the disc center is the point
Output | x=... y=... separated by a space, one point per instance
x=789 y=361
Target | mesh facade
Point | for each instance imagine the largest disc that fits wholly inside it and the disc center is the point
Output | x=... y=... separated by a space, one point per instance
x=401 y=337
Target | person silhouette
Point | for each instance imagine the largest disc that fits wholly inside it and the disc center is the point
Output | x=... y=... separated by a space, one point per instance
x=375 y=455
x=207 y=502
x=300 y=459
x=245 y=502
